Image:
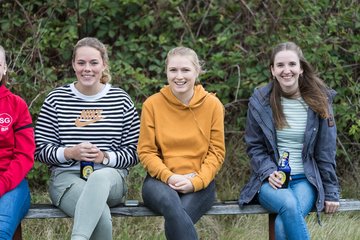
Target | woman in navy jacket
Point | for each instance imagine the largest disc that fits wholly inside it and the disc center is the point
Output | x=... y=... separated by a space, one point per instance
x=292 y=113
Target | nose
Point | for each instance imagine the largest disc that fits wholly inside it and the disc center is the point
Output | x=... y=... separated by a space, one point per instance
x=179 y=75
x=87 y=67
x=287 y=69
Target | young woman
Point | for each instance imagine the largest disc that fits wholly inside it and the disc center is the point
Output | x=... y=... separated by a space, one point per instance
x=88 y=122
x=17 y=147
x=181 y=146
x=292 y=114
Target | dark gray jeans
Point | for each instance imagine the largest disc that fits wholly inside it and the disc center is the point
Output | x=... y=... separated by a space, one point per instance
x=181 y=211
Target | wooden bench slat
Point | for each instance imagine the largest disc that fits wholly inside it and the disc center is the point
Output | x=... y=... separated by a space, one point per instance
x=39 y=211
x=219 y=208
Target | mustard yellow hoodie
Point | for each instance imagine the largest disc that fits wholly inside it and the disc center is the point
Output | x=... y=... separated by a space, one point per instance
x=179 y=139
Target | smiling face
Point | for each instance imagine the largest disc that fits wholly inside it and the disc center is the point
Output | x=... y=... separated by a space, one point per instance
x=88 y=66
x=181 y=75
x=286 y=69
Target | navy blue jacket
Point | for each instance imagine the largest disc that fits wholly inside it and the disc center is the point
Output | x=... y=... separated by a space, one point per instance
x=318 y=152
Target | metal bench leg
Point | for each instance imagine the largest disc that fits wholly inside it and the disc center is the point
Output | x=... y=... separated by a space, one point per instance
x=272 y=217
x=18 y=234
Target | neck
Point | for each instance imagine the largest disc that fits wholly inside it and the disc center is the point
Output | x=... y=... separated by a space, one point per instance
x=89 y=90
x=185 y=98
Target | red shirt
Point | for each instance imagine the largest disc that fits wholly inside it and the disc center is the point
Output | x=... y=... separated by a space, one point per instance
x=17 y=144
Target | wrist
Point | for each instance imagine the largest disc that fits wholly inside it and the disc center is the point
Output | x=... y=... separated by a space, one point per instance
x=68 y=153
x=106 y=159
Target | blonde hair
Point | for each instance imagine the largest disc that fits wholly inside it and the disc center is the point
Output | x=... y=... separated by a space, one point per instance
x=4 y=77
x=95 y=43
x=184 y=51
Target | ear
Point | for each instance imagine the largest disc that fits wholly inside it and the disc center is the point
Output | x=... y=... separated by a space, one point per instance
x=73 y=66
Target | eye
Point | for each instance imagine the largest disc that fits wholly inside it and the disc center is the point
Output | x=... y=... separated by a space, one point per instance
x=172 y=70
x=292 y=63
x=279 y=64
x=94 y=63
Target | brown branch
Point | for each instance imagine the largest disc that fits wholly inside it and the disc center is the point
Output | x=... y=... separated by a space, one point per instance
x=203 y=19
x=26 y=15
x=248 y=8
x=187 y=25
x=239 y=80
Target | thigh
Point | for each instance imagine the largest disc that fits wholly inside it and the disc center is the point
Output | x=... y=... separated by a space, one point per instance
x=65 y=189
x=305 y=193
x=158 y=196
x=14 y=205
x=275 y=199
x=196 y=204
x=112 y=179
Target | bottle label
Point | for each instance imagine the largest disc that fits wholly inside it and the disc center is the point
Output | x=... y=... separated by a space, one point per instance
x=86 y=168
x=284 y=169
x=283 y=177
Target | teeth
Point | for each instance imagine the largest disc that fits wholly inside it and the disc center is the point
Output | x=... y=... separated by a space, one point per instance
x=180 y=83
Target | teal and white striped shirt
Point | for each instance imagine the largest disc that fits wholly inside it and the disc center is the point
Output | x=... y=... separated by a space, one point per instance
x=291 y=137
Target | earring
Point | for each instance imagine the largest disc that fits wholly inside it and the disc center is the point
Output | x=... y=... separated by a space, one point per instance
x=273 y=77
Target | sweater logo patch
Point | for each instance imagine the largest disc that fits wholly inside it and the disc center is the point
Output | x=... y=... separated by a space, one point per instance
x=88 y=117
x=5 y=121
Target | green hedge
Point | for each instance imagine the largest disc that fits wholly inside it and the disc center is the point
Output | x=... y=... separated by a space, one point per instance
x=233 y=37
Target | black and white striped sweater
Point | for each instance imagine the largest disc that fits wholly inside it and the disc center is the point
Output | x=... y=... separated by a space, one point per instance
x=108 y=119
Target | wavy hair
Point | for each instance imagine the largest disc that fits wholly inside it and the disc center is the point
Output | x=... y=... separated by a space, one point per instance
x=95 y=43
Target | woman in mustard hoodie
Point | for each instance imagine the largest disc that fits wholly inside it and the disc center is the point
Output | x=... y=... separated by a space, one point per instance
x=181 y=145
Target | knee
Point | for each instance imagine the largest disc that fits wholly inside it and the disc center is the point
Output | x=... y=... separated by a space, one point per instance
x=99 y=177
x=290 y=205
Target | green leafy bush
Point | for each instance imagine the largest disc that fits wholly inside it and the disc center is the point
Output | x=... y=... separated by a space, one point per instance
x=232 y=37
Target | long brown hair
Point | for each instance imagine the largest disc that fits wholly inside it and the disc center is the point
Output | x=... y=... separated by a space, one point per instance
x=312 y=88
x=4 y=78
x=95 y=43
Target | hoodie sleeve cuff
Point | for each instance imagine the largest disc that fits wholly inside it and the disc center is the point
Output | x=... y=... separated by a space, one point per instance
x=197 y=183
x=165 y=176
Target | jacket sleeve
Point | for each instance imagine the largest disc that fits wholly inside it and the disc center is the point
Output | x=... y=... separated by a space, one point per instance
x=216 y=153
x=325 y=155
x=148 y=151
x=23 y=153
x=257 y=147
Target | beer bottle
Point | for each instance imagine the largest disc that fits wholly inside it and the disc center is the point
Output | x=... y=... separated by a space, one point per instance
x=86 y=168
x=284 y=169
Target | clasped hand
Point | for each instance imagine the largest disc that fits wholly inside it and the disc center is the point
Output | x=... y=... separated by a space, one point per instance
x=84 y=151
x=181 y=183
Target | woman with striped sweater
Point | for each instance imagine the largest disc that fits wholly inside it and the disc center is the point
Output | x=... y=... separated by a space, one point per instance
x=93 y=123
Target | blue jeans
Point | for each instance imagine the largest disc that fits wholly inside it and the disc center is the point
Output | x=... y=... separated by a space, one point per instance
x=13 y=207
x=291 y=205
x=181 y=211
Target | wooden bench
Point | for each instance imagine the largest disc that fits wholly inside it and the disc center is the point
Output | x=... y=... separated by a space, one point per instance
x=38 y=211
